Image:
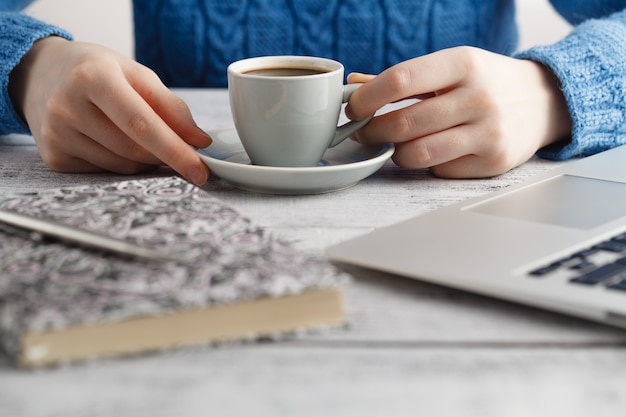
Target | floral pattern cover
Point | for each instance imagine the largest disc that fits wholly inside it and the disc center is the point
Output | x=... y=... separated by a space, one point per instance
x=46 y=285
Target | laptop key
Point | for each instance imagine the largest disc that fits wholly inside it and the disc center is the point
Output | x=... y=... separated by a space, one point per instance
x=619 y=286
x=579 y=261
x=621 y=237
x=583 y=264
x=601 y=274
x=612 y=246
x=574 y=262
x=586 y=252
x=545 y=270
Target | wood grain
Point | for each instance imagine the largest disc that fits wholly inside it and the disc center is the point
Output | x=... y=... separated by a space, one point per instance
x=410 y=348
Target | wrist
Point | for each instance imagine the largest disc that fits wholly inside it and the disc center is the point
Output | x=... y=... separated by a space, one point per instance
x=24 y=73
x=559 y=126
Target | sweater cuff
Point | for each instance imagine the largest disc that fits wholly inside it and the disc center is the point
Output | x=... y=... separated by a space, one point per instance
x=591 y=66
x=18 y=33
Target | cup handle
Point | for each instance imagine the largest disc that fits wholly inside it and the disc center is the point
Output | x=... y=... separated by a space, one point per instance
x=344 y=131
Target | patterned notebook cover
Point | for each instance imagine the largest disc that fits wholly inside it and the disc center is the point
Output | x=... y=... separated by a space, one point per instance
x=50 y=285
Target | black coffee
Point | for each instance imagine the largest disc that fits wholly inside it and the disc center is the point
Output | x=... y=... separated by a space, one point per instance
x=286 y=72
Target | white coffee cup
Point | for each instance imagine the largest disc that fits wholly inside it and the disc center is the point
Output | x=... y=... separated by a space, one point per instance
x=286 y=108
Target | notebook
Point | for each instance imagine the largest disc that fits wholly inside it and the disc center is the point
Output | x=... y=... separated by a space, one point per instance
x=556 y=241
x=221 y=278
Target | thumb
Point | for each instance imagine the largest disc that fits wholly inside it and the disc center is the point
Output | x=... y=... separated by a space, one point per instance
x=357 y=77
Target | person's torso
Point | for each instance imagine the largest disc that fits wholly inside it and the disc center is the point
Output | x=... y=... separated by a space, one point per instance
x=189 y=43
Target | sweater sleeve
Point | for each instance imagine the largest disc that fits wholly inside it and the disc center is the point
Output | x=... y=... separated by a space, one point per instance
x=18 y=33
x=591 y=66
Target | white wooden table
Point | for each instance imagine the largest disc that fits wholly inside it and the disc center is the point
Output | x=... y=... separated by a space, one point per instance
x=411 y=348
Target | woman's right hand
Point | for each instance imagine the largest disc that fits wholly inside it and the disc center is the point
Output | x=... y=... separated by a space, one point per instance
x=91 y=109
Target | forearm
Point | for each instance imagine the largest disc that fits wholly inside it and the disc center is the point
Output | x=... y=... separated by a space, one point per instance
x=590 y=64
x=18 y=33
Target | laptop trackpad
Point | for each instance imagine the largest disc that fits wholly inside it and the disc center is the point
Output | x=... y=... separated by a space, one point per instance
x=566 y=200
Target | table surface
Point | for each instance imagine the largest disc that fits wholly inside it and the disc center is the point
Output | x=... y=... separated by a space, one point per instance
x=410 y=348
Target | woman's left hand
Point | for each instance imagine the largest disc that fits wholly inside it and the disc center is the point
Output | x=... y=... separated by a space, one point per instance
x=479 y=114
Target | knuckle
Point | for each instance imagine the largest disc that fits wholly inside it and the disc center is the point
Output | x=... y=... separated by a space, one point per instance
x=469 y=58
x=138 y=126
x=500 y=163
x=500 y=157
x=422 y=154
x=405 y=125
x=50 y=145
x=180 y=108
x=46 y=135
x=484 y=103
x=57 y=111
x=49 y=140
x=179 y=105
x=414 y=154
x=400 y=79
x=134 y=151
x=85 y=71
x=55 y=161
x=503 y=154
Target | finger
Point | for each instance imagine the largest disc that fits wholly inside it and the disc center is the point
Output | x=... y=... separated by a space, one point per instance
x=108 y=135
x=73 y=164
x=94 y=153
x=129 y=110
x=423 y=118
x=412 y=78
x=468 y=166
x=171 y=108
x=61 y=162
x=439 y=148
x=357 y=77
x=80 y=153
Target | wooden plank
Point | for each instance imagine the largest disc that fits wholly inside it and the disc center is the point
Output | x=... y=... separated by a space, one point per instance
x=411 y=348
x=298 y=380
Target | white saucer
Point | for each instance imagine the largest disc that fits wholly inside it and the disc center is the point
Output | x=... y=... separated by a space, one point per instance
x=341 y=167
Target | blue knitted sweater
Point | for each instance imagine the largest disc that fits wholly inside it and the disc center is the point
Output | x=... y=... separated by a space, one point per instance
x=189 y=43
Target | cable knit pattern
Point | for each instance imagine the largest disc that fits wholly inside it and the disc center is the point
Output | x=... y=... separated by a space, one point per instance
x=309 y=17
x=407 y=33
x=591 y=65
x=17 y=35
x=189 y=43
x=365 y=35
x=224 y=22
x=577 y=11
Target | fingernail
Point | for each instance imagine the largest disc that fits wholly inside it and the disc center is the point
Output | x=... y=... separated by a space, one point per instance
x=197 y=175
x=348 y=112
x=206 y=135
x=358 y=77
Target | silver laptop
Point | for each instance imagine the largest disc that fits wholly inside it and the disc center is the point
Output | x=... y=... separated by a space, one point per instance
x=556 y=241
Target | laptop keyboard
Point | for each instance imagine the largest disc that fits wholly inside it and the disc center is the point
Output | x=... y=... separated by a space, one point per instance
x=603 y=264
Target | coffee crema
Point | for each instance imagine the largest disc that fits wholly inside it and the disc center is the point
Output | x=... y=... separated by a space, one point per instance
x=285 y=72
